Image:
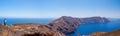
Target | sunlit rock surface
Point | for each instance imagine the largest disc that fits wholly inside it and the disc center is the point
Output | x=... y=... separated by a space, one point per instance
x=114 y=33
x=28 y=30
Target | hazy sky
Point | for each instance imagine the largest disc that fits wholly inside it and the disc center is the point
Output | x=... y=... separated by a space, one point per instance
x=57 y=8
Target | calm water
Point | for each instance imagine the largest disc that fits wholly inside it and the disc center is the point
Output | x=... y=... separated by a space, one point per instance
x=86 y=29
x=27 y=20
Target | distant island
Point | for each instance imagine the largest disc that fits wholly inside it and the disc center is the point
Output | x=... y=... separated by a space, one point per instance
x=62 y=26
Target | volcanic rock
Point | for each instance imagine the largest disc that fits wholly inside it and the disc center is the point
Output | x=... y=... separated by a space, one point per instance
x=67 y=24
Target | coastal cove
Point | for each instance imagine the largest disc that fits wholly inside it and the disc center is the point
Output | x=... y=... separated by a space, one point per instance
x=87 y=29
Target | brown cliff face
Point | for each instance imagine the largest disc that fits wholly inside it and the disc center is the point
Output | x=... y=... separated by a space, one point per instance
x=65 y=24
x=114 y=33
x=68 y=24
x=28 y=30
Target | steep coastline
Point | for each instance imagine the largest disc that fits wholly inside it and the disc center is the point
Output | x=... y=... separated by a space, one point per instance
x=60 y=27
x=67 y=24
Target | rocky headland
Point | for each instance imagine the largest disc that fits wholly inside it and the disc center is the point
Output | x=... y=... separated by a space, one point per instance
x=67 y=24
x=60 y=27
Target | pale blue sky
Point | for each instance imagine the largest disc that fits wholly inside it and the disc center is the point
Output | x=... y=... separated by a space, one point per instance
x=57 y=8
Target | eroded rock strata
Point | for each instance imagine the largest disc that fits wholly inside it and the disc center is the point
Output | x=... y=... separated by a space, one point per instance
x=68 y=24
x=60 y=27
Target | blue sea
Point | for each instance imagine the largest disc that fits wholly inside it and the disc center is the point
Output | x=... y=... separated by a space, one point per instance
x=84 y=29
x=27 y=20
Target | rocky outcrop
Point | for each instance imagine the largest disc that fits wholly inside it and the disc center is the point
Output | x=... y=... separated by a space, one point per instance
x=28 y=30
x=114 y=33
x=67 y=24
